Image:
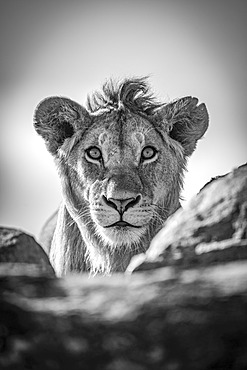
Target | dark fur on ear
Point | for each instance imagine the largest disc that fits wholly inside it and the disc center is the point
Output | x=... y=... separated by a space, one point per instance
x=57 y=119
x=186 y=121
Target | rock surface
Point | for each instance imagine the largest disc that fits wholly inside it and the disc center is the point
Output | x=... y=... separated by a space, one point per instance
x=191 y=315
x=17 y=247
x=164 y=319
x=212 y=228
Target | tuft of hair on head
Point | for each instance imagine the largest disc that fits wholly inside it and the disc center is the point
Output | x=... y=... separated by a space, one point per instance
x=131 y=93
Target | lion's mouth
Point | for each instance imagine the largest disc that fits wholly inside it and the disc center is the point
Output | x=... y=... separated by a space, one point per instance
x=122 y=224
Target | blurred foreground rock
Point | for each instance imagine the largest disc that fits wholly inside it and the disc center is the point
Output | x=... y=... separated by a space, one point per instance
x=164 y=320
x=212 y=228
x=189 y=315
x=17 y=248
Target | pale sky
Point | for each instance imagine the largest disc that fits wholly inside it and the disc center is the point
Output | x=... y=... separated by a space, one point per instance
x=69 y=48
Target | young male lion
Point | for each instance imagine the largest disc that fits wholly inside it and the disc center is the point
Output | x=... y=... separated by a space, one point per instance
x=121 y=164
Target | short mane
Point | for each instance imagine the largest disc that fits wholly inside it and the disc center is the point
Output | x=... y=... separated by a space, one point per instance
x=133 y=94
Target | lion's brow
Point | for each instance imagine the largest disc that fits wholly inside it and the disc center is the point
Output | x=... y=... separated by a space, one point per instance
x=133 y=94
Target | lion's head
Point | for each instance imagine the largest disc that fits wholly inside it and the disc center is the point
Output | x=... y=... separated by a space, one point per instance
x=121 y=164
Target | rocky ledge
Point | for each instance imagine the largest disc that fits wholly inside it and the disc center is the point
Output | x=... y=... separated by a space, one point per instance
x=211 y=229
x=184 y=307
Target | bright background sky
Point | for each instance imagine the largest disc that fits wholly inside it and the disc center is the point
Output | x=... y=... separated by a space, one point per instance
x=69 y=48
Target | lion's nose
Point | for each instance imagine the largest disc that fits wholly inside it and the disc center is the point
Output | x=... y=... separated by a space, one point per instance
x=121 y=205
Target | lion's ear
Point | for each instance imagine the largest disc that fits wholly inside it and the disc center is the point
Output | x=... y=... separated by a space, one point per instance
x=186 y=121
x=57 y=119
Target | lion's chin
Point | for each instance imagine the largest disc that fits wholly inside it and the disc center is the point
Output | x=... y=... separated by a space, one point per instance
x=118 y=236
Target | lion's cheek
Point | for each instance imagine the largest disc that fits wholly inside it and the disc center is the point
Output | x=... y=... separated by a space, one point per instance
x=137 y=217
x=103 y=217
x=94 y=191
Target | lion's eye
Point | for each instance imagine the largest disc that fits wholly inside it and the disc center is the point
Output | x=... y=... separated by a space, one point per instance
x=94 y=153
x=148 y=152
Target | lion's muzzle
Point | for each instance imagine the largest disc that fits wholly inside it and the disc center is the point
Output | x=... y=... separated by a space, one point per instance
x=121 y=205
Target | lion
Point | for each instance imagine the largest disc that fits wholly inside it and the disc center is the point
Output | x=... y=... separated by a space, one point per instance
x=121 y=162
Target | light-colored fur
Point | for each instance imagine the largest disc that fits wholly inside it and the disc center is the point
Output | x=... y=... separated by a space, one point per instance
x=120 y=123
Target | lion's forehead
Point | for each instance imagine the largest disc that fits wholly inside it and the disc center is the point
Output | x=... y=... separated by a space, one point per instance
x=122 y=139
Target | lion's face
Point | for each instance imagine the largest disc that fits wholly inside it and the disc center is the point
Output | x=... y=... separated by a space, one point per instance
x=126 y=170
x=121 y=164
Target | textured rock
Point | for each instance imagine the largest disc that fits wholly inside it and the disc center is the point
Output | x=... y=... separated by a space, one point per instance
x=174 y=318
x=164 y=319
x=212 y=228
x=17 y=248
